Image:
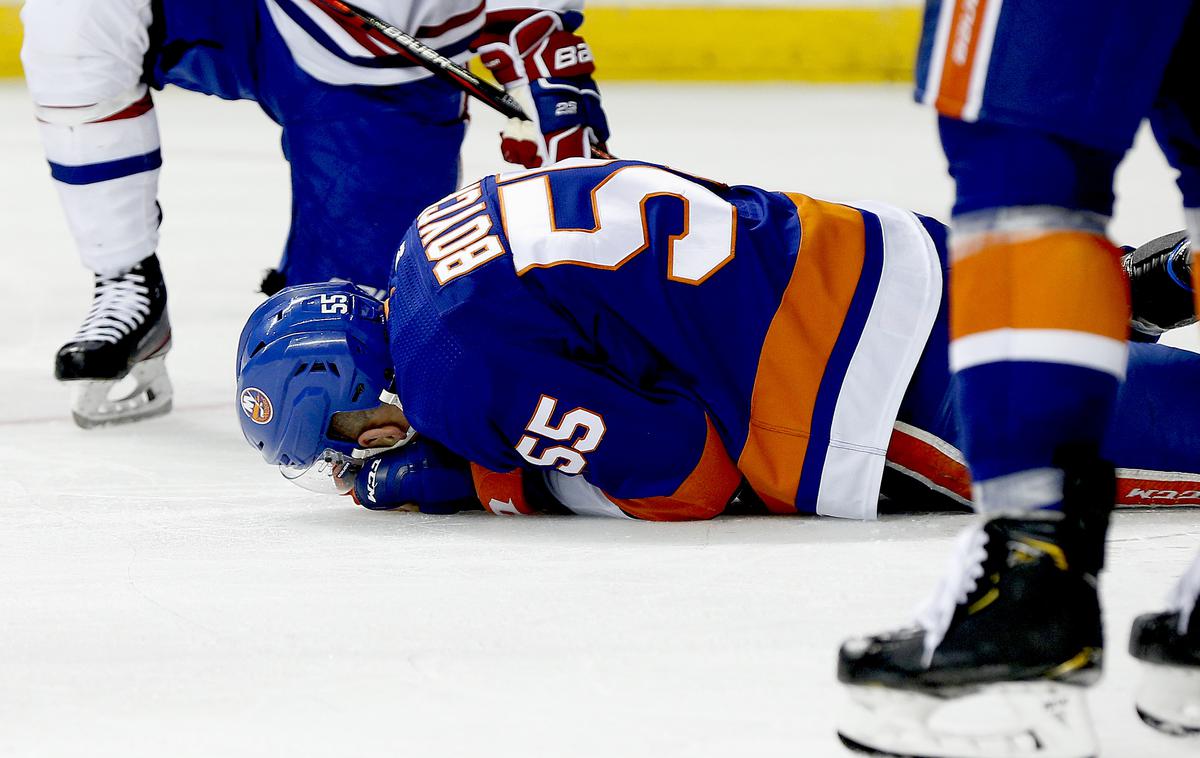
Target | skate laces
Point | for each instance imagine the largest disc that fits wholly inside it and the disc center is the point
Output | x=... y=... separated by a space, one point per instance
x=963 y=571
x=1183 y=596
x=119 y=305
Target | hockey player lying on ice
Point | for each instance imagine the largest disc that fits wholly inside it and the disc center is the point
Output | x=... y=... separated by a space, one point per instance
x=621 y=339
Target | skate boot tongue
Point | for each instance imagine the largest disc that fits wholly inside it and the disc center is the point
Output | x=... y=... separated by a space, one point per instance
x=126 y=334
x=120 y=305
x=1183 y=602
x=959 y=581
x=1168 y=645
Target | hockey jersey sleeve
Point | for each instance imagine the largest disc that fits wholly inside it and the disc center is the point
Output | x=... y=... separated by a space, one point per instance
x=601 y=445
x=334 y=49
x=550 y=5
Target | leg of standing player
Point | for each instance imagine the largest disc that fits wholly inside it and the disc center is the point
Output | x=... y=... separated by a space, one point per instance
x=1169 y=642
x=1151 y=439
x=365 y=160
x=83 y=62
x=360 y=179
x=1039 y=102
x=90 y=65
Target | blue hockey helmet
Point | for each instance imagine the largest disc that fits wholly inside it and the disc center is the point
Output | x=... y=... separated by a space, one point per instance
x=306 y=353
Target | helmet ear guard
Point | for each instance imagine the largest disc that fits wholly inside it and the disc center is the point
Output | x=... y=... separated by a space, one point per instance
x=306 y=353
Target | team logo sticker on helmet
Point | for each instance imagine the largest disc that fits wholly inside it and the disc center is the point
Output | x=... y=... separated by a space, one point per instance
x=256 y=405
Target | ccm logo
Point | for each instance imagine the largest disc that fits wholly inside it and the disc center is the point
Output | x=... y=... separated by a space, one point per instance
x=372 y=479
x=1164 y=494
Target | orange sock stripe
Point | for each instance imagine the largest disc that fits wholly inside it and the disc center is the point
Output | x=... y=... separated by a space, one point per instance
x=1067 y=280
x=501 y=492
x=703 y=495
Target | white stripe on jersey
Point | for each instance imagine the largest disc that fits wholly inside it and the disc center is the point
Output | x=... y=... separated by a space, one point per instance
x=895 y=334
x=1065 y=346
x=937 y=56
x=580 y=496
x=407 y=15
x=983 y=59
x=553 y=5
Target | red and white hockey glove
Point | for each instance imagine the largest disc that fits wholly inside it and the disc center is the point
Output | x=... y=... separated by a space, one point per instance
x=547 y=68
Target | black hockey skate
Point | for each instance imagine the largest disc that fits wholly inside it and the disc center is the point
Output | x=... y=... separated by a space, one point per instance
x=997 y=662
x=125 y=334
x=1168 y=643
x=1160 y=283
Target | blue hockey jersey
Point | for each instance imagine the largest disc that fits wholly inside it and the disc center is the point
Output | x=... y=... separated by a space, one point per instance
x=641 y=341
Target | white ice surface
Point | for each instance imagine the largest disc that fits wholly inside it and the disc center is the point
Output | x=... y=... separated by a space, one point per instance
x=162 y=593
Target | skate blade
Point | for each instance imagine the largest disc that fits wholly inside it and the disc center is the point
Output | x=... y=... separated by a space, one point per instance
x=145 y=392
x=1169 y=699
x=1010 y=720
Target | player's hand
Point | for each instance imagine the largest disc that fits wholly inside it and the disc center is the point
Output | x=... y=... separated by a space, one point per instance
x=548 y=69
x=422 y=475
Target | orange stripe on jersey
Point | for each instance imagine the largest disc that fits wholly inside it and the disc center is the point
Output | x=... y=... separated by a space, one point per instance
x=502 y=493
x=799 y=342
x=703 y=495
x=962 y=45
x=1058 y=280
x=932 y=459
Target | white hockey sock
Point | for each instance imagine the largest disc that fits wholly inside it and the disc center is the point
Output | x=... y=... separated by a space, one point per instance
x=106 y=173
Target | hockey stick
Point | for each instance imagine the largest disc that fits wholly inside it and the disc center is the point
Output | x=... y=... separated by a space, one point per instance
x=439 y=65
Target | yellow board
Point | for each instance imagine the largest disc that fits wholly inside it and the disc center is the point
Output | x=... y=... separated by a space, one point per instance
x=754 y=44
x=10 y=41
x=712 y=43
